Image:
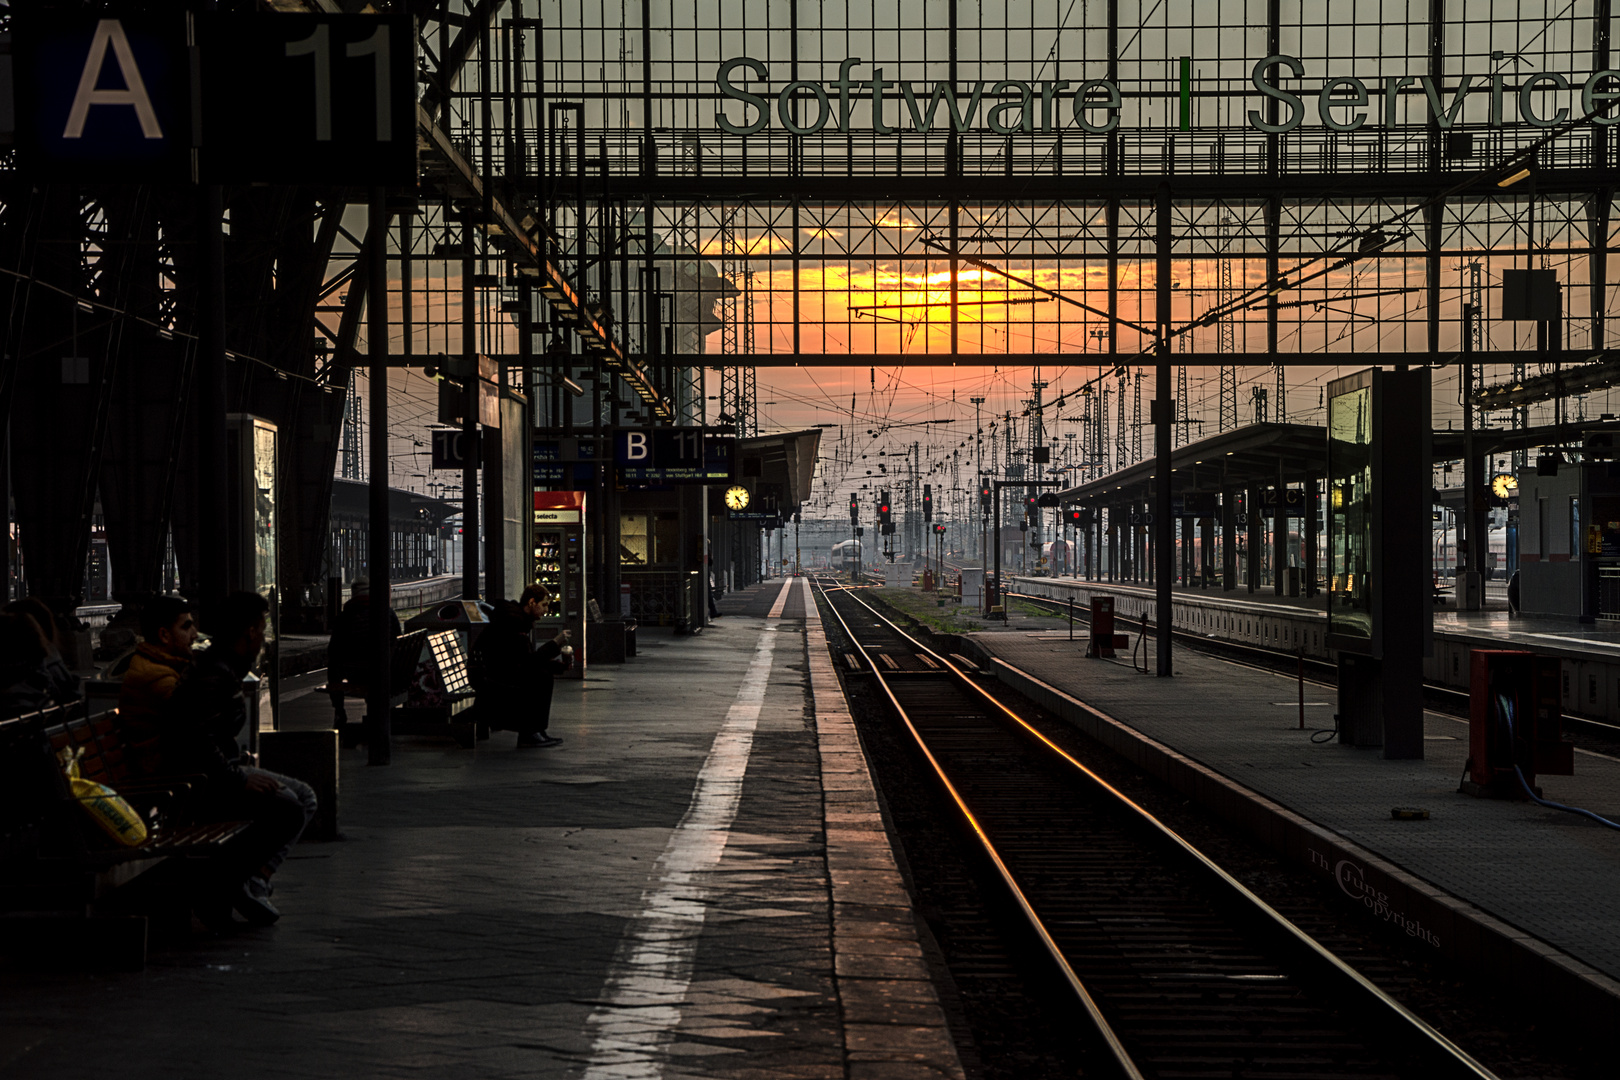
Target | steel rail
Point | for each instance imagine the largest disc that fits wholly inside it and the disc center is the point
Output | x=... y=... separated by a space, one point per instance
x=1103 y=1029
x=1441 y=1053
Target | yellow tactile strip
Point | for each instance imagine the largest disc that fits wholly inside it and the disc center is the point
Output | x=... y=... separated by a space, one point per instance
x=893 y=1023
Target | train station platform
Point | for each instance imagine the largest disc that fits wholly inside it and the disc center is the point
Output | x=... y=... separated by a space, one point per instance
x=1589 y=652
x=696 y=883
x=1518 y=893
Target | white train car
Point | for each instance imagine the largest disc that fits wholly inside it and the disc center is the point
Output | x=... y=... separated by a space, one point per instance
x=844 y=557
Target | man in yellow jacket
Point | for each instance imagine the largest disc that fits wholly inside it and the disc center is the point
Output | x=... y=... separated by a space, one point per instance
x=169 y=627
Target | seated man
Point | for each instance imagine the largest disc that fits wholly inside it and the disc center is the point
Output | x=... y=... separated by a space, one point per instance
x=198 y=735
x=512 y=677
x=168 y=632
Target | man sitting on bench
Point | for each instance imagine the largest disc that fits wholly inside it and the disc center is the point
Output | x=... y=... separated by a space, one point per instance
x=198 y=735
x=168 y=632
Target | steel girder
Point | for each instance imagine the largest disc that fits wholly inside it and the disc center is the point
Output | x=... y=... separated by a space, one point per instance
x=111 y=276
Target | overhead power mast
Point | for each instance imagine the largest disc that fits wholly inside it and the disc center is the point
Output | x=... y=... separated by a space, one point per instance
x=1226 y=338
x=736 y=330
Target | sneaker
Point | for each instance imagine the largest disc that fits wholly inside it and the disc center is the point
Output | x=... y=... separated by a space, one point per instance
x=530 y=740
x=252 y=902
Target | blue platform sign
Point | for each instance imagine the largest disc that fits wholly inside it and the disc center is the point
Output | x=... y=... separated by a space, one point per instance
x=103 y=97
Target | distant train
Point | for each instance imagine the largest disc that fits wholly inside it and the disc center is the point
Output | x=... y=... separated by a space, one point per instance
x=1056 y=558
x=1445 y=552
x=844 y=557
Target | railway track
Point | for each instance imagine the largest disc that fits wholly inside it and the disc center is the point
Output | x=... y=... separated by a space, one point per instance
x=1176 y=969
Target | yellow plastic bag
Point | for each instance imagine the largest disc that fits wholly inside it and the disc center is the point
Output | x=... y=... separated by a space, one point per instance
x=105 y=806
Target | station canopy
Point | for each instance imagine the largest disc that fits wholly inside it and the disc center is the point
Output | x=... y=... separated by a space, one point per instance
x=935 y=182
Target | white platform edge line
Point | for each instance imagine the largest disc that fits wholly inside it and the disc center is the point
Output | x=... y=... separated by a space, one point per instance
x=652 y=973
x=781 y=600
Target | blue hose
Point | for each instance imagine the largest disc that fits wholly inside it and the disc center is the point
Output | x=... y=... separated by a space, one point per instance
x=1504 y=707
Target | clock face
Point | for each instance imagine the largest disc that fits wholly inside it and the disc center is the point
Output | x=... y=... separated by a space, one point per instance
x=737 y=498
x=1504 y=484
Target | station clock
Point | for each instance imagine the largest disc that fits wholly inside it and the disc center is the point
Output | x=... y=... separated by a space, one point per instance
x=1504 y=485
x=736 y=497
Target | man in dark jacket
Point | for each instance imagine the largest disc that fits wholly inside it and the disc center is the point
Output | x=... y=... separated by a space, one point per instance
x=512 y=677
x=347 y=654
x=198 y=736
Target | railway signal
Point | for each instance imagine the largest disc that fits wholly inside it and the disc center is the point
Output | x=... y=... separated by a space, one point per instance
x=854 y=508
x=984 y=494
x=928 y=502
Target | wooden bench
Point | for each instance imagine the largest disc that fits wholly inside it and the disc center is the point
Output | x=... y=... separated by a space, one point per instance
x=403 y=656
x=441 y=694
x=55 y=862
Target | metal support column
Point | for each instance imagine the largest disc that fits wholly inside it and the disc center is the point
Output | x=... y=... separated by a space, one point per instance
x=469 y=425
x=1228 y=540
x=213 y=521
x=1162 y=428
x=1279 y=535
x=1312 y=508
x=1472 y=548
x=1251 y=506
x=379 y=737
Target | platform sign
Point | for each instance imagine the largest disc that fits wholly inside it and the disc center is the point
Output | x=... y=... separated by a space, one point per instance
x=102 y=98
x=307 y=99
x=448 y=446
x=674 y=455
x=1293 y=501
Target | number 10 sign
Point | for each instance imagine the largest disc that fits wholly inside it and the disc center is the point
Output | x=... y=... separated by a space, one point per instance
x=307 y=99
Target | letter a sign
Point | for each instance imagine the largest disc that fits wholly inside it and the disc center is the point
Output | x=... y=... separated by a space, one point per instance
x=103 y=96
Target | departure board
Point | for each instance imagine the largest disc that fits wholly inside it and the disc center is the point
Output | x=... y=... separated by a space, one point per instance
x=674 y=455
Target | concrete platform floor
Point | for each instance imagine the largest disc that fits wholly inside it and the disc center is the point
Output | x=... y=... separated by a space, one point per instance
x=696 y=883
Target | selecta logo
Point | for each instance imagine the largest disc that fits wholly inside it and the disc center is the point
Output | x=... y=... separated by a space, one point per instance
x=1008 y=106
x=1352 y=881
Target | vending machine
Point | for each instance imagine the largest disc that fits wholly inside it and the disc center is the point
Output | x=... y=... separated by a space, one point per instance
x=559 y=565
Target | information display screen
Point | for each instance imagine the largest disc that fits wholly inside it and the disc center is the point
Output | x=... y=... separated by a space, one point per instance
x=1350 y=513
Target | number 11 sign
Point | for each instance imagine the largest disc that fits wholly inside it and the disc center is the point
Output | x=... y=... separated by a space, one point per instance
x=307 y=99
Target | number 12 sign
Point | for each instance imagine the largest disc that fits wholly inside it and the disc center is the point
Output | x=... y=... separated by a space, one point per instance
x=307 y=99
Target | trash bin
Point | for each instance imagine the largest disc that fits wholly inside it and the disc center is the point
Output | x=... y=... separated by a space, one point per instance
x=605 y=641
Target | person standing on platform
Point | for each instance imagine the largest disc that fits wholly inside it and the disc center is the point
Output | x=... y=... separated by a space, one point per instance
x=348 y=653
x=512 y=677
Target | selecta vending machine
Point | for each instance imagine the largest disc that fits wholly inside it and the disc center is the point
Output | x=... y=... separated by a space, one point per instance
x=559 y=565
